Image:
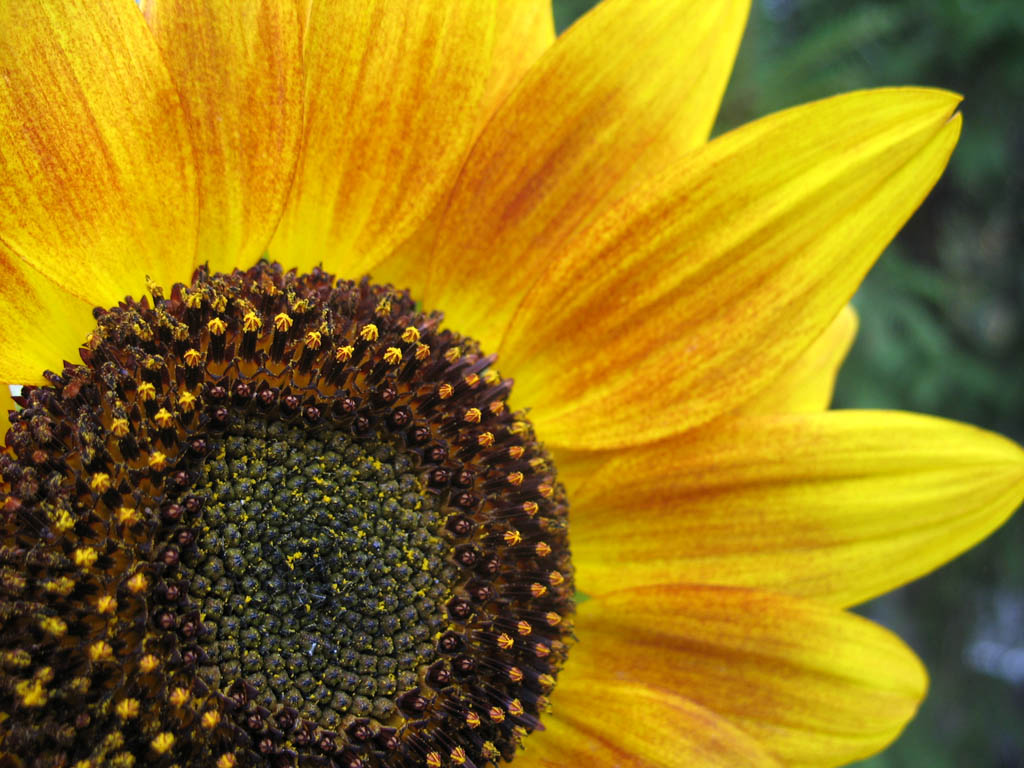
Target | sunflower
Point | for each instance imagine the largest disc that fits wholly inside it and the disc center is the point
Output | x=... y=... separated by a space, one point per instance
x=327 y=313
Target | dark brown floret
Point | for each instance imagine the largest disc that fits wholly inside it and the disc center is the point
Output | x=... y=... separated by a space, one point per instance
x=277 y=519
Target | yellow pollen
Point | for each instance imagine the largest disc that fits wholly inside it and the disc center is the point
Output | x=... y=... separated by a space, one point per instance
x=84 y=557
x=545 y=490
x=445 y=391
x=552 y=618
x=138 y=583
x=164 y=418
x=187 y=402
x=546 y=680
x=157 y=460
x=485 y=439
x=51 y=625
x=127 y=708
x=63 y=521
x=541 y=650
x=471 y=380
x=515 y=708
x=120 y=427
x=193 y=357
x=148 y=663
x=472 y=719
x=516 y=451
x=61 y=586
x=146 y=392
x=538 y=590
x=217 y=326
x=100 y=482
x=101 y=651
x=162 y=743
x=211 y=719
x=227 y=760
x=542 y=548
x=458 y=756
x=515 y=674
x=283 y=321
x=32 y=693
x=393 y=356
x=556 y=578
x=473 y=416
x=531 y=508
x=193 y=300
x=497 y=714
x=538 y=464
x=422 y=352
x=496 y=407
x=491 y=377
x=518 y=427
x=251 y=322
x=523 y=627
x=344 y=354
x=411 y=335
x=512 y=537
x=369 y=332
x=383 y=308
x=453 y=354
x=106 y=604
x=433 y=760
x=490 y=751
x=515 y=478
x=312 y=340
x=179 y=697
x=126 y=515
x=505 y=641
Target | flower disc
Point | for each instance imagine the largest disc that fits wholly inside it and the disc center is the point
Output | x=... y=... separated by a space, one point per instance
x=276 y=519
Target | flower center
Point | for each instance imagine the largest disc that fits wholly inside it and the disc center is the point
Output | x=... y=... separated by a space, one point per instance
x=276 y=519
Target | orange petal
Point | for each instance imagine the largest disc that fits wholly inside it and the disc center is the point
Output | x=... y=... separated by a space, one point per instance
x=808 y=383
x=602 y=723
x=627 y=87
x=525 y=29
x=392 y=102
x=41 y=324
x=812 y=684
x=840 y=506
x=240 y=80
x=97 y=187
x=699 y=290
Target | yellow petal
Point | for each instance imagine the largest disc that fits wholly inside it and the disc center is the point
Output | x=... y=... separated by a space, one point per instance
x=602 y=723
x=41 y=324
x=240 y=80
x=839 y=506
x=814 y=685
x=697 y=291
x=392 y=101
x=525 y=29
x=97 y=187
x=808 y=383
x=627 y=87
x=6 y=406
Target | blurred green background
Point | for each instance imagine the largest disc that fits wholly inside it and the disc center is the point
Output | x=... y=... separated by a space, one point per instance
x=942 y=318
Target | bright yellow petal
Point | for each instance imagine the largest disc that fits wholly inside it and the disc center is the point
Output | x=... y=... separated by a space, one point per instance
x=625 y=89
x=839 y=506
x=41 y=324
x=391 y=104
x=814 y=685
x=700 y=289
x=97 y=187
x=596 y=722
x=6 y=406
x=240 y=80
x=808 y=383
x=525 y=29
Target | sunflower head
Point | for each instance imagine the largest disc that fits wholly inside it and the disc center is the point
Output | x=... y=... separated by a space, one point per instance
x=278 y=517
